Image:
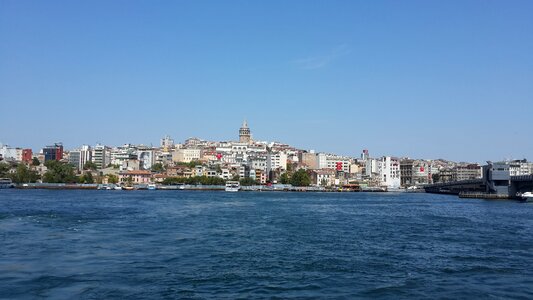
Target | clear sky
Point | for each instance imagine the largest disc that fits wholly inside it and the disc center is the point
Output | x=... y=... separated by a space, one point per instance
x=425 y=79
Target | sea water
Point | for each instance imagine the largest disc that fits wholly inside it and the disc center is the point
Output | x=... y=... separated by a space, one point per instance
x=262 y=245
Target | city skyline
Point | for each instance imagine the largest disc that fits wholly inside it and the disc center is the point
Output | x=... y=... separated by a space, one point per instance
x=426 y=80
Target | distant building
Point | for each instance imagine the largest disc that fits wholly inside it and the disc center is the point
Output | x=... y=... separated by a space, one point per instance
x=471 y=171
x=146 y=159
x=137 y=176
x=323 y=177
x=186 y=155
x=100 y=156
x=54 y=152
x=27 y=155
x=389 y=172
x=167 y=143
x=10 y=154
x=244 y=133
x=520 y=167
x=79 y=157
x=309 y=159
x=414 y=172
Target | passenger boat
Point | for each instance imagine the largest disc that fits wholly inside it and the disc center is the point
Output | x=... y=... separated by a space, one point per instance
x=6 y=183
x=233 y=186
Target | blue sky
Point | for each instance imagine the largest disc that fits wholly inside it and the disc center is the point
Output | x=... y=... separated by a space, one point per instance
x=425 y=79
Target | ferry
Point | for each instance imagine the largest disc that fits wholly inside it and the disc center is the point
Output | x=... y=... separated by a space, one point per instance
x=6 y=183
x=233 y=186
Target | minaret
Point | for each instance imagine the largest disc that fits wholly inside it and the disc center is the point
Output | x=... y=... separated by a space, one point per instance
x=244 y=133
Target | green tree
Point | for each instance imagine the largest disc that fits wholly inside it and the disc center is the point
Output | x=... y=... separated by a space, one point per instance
x=59 y=172
x=191 y=164
x=158 y=168
x=112 y=178
x=24 y=175
x=35 y=162
x=90 y=166
x=284 y=178
x=248 y=181
x=86 y=178
x=4 y=169
x=300 y=178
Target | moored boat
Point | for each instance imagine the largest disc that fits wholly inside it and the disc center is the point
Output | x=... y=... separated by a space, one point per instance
x=6 y=183
x=527 y=196
x=233 y=186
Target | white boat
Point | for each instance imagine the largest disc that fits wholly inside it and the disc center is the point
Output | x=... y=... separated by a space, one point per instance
x=528 y=196
x=6 y=183
x=118 y=187
x=152 y=186
x=233 y=186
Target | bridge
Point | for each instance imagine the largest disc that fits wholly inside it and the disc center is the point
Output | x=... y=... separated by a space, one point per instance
x=456 y=187
x=521 y=184
x=509 y=189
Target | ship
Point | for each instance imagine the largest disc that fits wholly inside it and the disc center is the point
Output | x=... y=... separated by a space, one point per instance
x=6 y=183
x=527 y=196
x=233 y=186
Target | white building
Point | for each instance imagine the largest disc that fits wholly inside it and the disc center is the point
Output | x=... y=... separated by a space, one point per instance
x=101 y=156
x=167 y=143
x=277 y=160
x=186 y=155
x=10 y=154
x=79 y=157
x=372 y=167
x=389 y=172
x=146 y=159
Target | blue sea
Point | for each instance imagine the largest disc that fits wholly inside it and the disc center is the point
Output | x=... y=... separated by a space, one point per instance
x=262 y=245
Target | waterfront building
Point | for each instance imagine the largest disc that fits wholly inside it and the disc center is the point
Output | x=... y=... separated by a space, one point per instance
x=520 y=167
x=323 y=177
x=137 y=176
x=389 y=172
x=53 y=152
x=414 y=172
x=245 y=135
